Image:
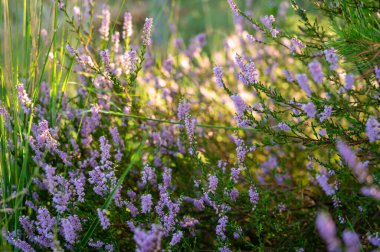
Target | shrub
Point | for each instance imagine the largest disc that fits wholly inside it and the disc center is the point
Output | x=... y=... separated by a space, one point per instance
x=270 y=144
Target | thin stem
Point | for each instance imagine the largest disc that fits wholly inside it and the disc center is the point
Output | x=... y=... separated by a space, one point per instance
x=172 y=122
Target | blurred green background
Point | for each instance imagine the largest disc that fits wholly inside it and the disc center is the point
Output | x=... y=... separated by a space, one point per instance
x=190 y=17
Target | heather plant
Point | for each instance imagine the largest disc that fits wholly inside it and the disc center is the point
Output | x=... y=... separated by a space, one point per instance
x=269 y=143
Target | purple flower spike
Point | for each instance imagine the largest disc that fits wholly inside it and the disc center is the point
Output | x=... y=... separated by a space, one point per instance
x=104 y=221
x=315 y=69
x=327 y=230
x=304 y=83
x=147 y=30
x=218 y=74
x=309 y=109
x=372 y=129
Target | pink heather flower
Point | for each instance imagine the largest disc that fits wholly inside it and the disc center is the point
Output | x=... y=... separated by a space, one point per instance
x=224 y=249
x=116 y=42
x=60 y=3
x=183 y=110
x=270 y=164
x=176 y=238
x=281 y=207
x=235 y=173
x=267 y=21
x=234 y=194
x=146 y=203
x=117 y=141
x=212 y=183
x=251 y=73
x=89 y=4
x=103 y=176
x=218 y=74
x=284 y=126
x=283 y=8
x=221 y=227
x=351 y=240
x=131 y=225
x=148 y=175
x=372 y=129
x=44 y=35
x=332 y=58
x=371 y=191
x=309 y=109
x=347 y=153
x=45 y=138
x=239 y=62
x=167 y=177
x=109 y=248
x=71 y=50
x=148 y=241
x=71 y=226
x=168 y=64
x=242 y=150
x=349 y=81
x=296 y=45
x=190 y=124
x=239 y=103
x=106 y=59
x=222 y=165
x=349 y=156
x=147 y=30
x=274 y=32
x=104 y=29
x=85 y=61
x=105 y=148
x=79 y=183
x=130 y=60
x=377 y=74
x=196 y=44
x=251 y=38
x=316 y=71
x=304 y=83
x=131 y=194
x=199 y=204
x=127 y=25
x=45 y=226
x=233 y=6
x=374 y=240
x=236 y=235
x=197 y=183
x=238 y=232
x=104 y=221
x=327 y=230
x=23 y=98
x=322 y=132
x=16 y=242
x=325 y=114
x=323 y=182
x=189 y=222
x=132 y=208
x=253 y=196
x=288 y=75
x=97 y=244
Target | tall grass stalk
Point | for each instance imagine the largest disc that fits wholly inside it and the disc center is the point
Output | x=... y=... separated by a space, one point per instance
x=25 y=59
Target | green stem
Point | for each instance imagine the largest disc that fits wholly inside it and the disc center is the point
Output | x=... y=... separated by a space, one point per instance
x=171 y=122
